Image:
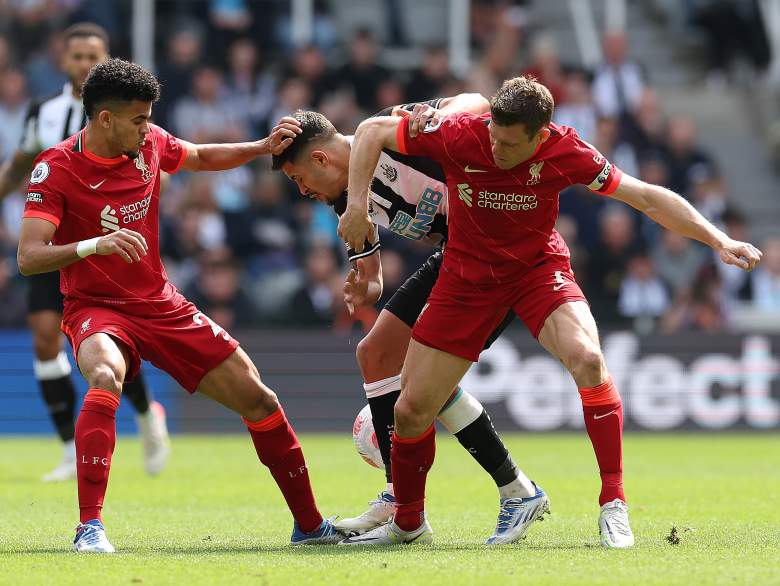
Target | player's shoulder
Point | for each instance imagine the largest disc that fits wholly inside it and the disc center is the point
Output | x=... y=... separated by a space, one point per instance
x=58 y=156
x=159 y=132
x=564 y=140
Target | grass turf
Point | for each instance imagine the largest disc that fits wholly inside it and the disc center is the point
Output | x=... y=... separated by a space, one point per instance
x=215 y=516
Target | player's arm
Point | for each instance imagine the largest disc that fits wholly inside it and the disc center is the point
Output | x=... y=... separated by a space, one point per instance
x=35 y=254
x=424 y=112
x=13 y=171
x=674 y=213
x=218 y=157
x=371 y=137
x=364 y=282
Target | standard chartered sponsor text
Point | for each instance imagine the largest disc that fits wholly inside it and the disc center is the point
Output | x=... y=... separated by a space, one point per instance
x=495 y=200
x=136 y=210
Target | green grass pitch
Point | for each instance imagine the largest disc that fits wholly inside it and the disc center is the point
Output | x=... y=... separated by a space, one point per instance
x=216 y=517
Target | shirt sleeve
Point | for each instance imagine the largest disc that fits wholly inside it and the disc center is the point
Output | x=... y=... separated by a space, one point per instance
x=431 y=142
x=172 y=151
x=44 y=199
x=29 y=143
x=592 y=169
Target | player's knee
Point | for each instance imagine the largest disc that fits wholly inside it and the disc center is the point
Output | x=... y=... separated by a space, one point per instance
x=261 y=404
x=105 y=377
x=376 y=359
x=409 y=415
x=586 y=362
x=46 y=344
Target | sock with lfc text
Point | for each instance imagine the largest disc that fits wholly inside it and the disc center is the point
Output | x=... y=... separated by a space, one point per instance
x=278 y=448
x=95 y=439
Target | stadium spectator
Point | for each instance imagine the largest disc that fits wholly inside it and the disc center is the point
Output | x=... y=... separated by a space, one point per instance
x=618 y=83
x=684 y=155
x=44 y=74
x=308 y=63
x=218 y=292
x=737 y=285
x=646 y=129
x=643 y=296
x=545 y=66
x=609 y=142
x=176 y=70
x=362 y=73
x=13 y=108
x=206 y=116
x=700 y=310
x=250 y=89
x=430 y=80
x=678 y=261
x=319 y=297
x=578 y=111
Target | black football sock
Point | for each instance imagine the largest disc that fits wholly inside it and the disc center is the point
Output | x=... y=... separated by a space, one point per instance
x=382 y=396
x=58 y=393
x=138 y=394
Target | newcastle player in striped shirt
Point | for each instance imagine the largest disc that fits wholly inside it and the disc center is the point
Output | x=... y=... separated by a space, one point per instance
x=49 y=122
x=409 y=198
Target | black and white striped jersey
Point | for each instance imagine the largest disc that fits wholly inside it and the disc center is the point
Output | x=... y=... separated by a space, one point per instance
x=52 y=120
x=408 y=197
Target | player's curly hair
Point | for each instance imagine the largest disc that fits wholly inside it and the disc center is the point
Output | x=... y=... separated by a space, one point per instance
x=522 y=100
x=118 y=80
x=316 y=128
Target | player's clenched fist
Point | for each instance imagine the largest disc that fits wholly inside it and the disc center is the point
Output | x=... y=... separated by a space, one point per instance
x=128 y=244
x=741 y=254
x=354 y=228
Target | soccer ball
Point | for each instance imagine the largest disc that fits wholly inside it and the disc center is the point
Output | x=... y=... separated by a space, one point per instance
x=364 y=436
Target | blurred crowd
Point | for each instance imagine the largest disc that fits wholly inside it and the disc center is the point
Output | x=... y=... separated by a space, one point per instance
x=250 y=251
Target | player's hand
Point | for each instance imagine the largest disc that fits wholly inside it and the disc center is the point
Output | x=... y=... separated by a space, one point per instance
x=354 y=228
x=356 y=289
x=420 y=115
x=741 y=254
x=128 y=244
x=283 y=134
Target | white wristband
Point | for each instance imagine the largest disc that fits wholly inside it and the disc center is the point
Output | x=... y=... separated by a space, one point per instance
x=87 y=247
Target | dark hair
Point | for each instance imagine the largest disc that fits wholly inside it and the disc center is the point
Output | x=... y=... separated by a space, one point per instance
x=82 y=30
x=316 y=128
x=522 y=100
x=118 y=80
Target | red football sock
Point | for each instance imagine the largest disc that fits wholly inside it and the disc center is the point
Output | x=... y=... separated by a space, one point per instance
x=603 y=411
x=278 y=448
x=95 y=439
x=411 y=459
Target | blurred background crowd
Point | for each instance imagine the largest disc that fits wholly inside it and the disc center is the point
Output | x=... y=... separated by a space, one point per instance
x=250 y=251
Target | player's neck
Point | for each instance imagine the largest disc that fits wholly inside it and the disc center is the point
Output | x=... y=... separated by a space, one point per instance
x=97 y=144
x=75 y=91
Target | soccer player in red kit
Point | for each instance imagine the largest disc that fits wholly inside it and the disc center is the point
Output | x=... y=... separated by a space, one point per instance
x=92 y=212
x=504 y=173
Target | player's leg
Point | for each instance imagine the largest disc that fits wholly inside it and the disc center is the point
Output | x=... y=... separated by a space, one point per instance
x=570 y=334
x=428 y=377
x=151 y=423
x=104 y=363
x=51 y=366
x=236 y=383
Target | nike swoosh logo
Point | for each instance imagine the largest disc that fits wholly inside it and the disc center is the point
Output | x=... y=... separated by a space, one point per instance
x=98 y=184
x=468 y=169
x=605 y=414
x=558 y=287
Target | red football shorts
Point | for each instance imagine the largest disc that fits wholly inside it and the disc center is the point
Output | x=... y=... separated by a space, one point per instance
x=459 y=318
x=171 y=334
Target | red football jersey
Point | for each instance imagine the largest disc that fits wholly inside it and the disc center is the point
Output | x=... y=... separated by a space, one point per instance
x=502 y=222
x=87 y=196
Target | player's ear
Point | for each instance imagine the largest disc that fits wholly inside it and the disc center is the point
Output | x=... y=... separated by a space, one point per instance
x=544 y=134
x=320 y=158
x=104 y=118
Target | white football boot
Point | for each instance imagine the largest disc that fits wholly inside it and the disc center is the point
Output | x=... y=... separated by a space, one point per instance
x=154 y=437
x=66 y=469
x=613 y=525
x=379 y=512
x=392 y=534
x=516 y=515
x=91 y=538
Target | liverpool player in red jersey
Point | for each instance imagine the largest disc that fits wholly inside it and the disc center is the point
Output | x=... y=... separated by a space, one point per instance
x=504 y=172
x=92 y=212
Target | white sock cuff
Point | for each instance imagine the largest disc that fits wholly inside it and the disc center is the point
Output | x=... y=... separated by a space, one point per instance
x=463 y=411
x=383 y=387
x=52 y=369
